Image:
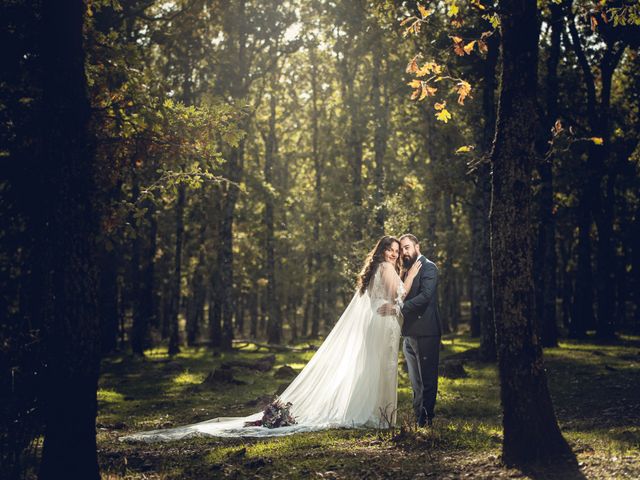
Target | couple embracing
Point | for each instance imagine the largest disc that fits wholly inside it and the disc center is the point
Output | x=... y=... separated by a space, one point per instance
x=352 y=379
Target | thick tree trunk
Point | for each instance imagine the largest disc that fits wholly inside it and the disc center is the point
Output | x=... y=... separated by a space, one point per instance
x=531 y=431
x=71 y=326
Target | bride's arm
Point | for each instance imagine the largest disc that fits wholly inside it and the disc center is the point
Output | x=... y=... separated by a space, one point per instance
x=393 y=289
x=411 y=275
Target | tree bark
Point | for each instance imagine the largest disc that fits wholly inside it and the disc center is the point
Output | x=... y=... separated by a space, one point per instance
x=148 y=297
x=482 y=323
x=531 y=431
x=174 y=328
x=380 y=100
x=139 y=327
x=71 y=326
x=546 y=283
x=274 y=323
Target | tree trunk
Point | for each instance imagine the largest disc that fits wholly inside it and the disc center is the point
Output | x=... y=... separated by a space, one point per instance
x=174 y=327
x=196 y=305
x=274 y=325
x=604 y=214
x=108 y=300
x=531 y=431
x=71 y=326
x=380 y=100
x=139 y=327
x=215 y=317
x=148 y=299
x=314 y=264
x=546 y=289
x=448 y=274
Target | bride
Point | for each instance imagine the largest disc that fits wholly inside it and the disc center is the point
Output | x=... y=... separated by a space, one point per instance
x=351 y=381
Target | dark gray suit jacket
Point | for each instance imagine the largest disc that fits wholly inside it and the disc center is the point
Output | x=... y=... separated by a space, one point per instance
x=420 y=311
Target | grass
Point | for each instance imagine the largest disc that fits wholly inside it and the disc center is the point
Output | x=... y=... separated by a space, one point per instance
x=594 y=388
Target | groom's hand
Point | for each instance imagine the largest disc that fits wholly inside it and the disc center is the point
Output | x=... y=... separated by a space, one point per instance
x=387 y=309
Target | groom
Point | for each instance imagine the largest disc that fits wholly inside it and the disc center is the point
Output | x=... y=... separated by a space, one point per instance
x=421 y=330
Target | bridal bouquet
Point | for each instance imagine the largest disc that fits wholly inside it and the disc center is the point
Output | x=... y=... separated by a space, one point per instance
x=275 y=415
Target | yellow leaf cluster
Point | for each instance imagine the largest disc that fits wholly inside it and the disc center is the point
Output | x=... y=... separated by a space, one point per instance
x=442 y=113
x=422 y=89
x=427 y=68
x=597 y=140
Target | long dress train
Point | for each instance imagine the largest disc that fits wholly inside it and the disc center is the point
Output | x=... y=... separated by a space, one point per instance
x=351 y=381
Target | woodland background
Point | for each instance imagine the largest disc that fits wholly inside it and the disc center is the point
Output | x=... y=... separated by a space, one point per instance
x=246 y=155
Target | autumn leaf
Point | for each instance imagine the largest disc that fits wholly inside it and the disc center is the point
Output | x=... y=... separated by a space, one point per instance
x=594 y=23
x=427 y=91
x=493 y=19
x=458 y=46
x=597 y=140
x=427 y=68
x=415 y=83
x=413 y=65
x=468 y=48
x=424 y=11
x=443 y=115
x=453 y=10
x=482 y=47
x=477 y=4
x=465 y=149
x=440 y=106
x=463 y=90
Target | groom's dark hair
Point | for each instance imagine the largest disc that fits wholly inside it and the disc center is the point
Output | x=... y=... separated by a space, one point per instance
x=411 y=237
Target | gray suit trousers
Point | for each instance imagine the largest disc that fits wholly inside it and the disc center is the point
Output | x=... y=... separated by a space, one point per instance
x=422 y=356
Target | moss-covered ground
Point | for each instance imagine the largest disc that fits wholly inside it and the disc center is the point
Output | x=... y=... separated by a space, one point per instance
x=595 y=388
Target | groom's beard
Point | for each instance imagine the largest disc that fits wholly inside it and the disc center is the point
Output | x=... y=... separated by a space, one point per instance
x=408 y=260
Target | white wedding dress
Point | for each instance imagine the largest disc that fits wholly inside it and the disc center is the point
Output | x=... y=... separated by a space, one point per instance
x=351 y=381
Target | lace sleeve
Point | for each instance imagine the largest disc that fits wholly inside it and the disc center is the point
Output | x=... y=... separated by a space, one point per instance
x=391 y=286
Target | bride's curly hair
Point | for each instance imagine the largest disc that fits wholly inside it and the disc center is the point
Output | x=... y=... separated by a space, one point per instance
x=375 y=258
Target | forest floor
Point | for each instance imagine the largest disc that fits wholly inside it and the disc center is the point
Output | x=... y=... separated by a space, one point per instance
x=595 y=389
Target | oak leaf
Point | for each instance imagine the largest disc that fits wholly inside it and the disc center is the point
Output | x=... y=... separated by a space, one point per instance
x=424 y=11
x=463 y=90
x=413 y=65
x=443 y=115
x=468 y=48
